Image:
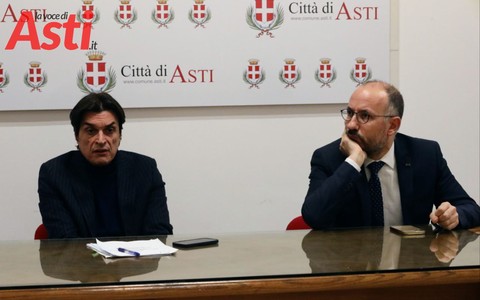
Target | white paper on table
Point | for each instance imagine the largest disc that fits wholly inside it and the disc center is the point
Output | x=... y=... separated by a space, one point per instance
x=142 y=247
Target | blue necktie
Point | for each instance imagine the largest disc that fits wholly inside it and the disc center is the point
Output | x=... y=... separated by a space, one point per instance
x=376 y=193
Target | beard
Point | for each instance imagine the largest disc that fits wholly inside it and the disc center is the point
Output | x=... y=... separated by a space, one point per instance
x=371 y=148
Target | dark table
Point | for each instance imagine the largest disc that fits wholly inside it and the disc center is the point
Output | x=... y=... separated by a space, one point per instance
x=370 y=263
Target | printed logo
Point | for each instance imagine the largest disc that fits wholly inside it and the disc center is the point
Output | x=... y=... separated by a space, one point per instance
x=254 y=75
x=360 y=73
x=290 y=73
x=265 y=17
x=35 y=78
x=125 y=14
x=88 y=13
x=163 y=15
x=94 y=78
x=326 y=73
x=4 y=78
x=200 y=14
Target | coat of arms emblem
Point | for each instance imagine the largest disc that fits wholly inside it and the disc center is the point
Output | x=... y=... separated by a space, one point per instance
x=125 y=14
x=200 y=14
x=254 y=75
x=35 y=77
x=88 y=13
x=290 y=73
x=4 y=78
x=265 y=17
x=360 y=73
x=95 y=77
x=325 y=73
x=163 y=14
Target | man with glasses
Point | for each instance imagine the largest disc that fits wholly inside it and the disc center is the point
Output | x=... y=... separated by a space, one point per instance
x=375 y=176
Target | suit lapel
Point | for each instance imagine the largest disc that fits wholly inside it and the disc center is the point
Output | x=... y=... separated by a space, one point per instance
x=125 y=189
x=83 y=193
x=405 y=176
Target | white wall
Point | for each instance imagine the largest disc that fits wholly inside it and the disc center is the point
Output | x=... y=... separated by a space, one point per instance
x=233 y=169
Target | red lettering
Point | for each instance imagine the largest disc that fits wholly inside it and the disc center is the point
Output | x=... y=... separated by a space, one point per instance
x=87 y=30
x=12 y=14
x=70 y=27
x=32 y=36
x=193 y=78
x=343 y=10
x=177 y=73
x=55 y=38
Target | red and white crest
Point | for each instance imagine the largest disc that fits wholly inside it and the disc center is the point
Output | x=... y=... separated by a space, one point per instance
x=162 y=11
x=199 y=10
x=360 y=70
x=88 y=11
x=254 y=72
x=96 y=77
x=325 y=70
x=289 y=73
x=125 y=11
x=264 y=11
x=35 y=76
x=2 y=75
x=96 y=73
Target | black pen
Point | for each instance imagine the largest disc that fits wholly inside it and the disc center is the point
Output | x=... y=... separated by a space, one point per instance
x=134 y=253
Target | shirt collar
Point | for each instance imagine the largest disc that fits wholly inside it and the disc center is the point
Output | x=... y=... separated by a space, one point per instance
x=388 y=158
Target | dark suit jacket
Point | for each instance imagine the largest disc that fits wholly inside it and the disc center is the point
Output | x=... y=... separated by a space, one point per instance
x=338 y=194
x=67 y=202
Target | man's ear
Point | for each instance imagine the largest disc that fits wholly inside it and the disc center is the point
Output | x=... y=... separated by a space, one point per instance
x=395 y=123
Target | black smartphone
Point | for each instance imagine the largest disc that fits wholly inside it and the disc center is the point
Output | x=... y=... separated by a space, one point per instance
x=198 y=242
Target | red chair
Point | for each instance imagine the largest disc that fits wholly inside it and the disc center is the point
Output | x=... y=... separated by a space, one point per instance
x=41 y=233
x=297 y=224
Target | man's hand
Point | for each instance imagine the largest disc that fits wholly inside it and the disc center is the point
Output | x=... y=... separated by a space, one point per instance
x=352 y=149
x=445 y=246
x=445 y=215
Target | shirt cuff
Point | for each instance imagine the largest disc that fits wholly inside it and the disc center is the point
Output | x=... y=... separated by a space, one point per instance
x=353 y=164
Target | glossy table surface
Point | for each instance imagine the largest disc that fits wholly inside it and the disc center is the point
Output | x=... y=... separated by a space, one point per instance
x=239 y=256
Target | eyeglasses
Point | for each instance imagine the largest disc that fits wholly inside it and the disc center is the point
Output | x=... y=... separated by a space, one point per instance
x=363 y=116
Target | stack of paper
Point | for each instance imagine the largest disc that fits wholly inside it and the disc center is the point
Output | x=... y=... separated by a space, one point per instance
x=132 y=248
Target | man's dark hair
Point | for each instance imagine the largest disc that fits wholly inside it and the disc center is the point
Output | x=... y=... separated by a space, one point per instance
x=96 y=102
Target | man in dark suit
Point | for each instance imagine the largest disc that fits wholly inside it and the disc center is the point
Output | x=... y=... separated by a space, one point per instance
x=413 y=174
x=99 y=191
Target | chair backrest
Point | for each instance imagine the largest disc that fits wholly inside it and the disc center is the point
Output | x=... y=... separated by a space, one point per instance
x=297 y=223
x=41 y=233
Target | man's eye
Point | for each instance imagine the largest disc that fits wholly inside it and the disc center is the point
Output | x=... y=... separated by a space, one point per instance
x=363 y=115
x=90 y=131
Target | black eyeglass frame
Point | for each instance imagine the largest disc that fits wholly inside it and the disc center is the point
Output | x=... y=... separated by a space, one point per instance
x=347 y=114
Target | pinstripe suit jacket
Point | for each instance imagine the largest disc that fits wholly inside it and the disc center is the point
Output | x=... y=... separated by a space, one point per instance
x=67 y=203
x=338 y=194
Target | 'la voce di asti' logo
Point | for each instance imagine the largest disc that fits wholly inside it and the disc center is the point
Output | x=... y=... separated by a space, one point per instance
x=265 y=17
x=125 y=14
x=95 y=78
x=35 y=78
x=4 y=78
x=163 y=14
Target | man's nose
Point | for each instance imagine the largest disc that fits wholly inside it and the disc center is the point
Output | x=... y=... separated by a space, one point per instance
x=100 y=137
x=352 y=123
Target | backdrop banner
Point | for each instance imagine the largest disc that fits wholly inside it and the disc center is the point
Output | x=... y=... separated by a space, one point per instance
x=174 y=53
